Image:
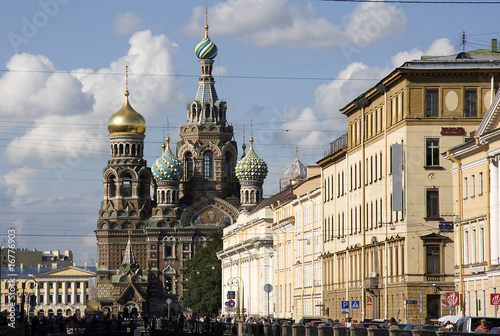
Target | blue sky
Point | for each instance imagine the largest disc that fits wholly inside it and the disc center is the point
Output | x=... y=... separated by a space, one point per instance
x=287 y=65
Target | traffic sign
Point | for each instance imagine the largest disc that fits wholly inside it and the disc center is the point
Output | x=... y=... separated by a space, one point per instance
x=345 y=304
x=495 y=299
x=355 y=304
x=452 y=298
x=231 y=303
x=411 y=301
x=244 y=310
x=345 y=311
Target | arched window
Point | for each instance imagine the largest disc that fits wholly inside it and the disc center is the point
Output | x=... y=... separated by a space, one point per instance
x=188 y=163
x=111 y=186
x=127 y=186
x=208 y=165
x=169 y=284
x=227 y=167
x=127 y=149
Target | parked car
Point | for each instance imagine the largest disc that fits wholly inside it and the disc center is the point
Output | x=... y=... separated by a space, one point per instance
x=333 y=324
x=495 y=330
x=368 y=324
x=470 y=323
x=280 y=321
x=310 y=318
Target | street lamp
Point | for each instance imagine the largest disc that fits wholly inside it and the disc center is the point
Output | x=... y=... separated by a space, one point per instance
x=23 y=297
x=458 y=222
x=236 y=280
x=386 y=296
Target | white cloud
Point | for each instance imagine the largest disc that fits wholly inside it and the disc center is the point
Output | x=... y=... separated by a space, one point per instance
x=85 y=99
x=278 y=23
x=18 y=182
x=439 y=47
x=127 y=23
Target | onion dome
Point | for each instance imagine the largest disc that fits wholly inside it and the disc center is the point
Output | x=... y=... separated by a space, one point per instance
x=206 y=49
x=167 y=167
x=127 y=120
x=251 y=167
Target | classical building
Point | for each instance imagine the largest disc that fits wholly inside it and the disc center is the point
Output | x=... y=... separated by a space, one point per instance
x=143 y=240
x=387 y=191
x=49 y=291
x=298 y=244
x=476 y=178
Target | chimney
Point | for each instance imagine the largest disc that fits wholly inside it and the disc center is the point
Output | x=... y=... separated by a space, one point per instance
x=21 y=268
x=494 y=47
x=54 y=266
x=85 y=266
x=39 y=266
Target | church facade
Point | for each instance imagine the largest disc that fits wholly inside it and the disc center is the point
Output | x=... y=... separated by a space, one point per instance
x=152 y=219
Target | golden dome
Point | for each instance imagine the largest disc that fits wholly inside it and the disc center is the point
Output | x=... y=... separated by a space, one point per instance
x=127 y=120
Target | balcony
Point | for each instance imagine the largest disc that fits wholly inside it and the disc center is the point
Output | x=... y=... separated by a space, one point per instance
x=371 y=283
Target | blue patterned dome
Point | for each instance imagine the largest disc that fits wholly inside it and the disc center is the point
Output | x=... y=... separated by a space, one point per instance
x=167 y=167
x=206 y=49
x=251 y=167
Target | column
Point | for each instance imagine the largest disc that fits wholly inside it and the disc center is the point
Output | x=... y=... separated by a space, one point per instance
x=494 y=203
x=73 y=292
x=82 y=292
x=37 y=293
x=46 y=293
x=54 y=293
x=65 y=292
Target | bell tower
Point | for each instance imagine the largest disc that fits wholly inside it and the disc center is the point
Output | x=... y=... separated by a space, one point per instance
x=207 y=149
x=126 y=180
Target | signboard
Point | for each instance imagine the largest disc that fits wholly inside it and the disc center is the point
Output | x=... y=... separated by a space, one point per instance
x=452 y=299
x=369 y=301
x=355 y=304
x=345 y=304
x=495 y=299
x=345 y=311
x=411 y=301
x=231 y=295
x=452 y=131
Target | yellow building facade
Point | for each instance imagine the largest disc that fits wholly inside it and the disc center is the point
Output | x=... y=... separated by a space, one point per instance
x=389 y=250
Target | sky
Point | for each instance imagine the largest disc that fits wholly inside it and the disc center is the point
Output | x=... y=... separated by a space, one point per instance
x=284 y=67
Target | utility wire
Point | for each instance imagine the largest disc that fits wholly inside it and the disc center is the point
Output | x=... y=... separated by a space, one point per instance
x=424 y=2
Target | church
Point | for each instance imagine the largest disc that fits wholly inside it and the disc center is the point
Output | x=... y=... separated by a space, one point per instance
x=152 y=218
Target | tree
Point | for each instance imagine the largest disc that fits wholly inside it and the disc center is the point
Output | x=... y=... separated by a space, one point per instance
x=202 y=277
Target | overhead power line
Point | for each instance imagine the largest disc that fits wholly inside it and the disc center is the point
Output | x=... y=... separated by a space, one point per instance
x=424 y=2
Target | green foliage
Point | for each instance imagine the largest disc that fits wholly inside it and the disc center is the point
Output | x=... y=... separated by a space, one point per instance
x=202 y=276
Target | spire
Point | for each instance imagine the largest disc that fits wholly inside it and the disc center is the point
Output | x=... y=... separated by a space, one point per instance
x=243 y=146
x=128 y=256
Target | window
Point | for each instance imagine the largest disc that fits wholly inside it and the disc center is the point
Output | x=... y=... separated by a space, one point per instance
x=433 y=259
x=432 y=152
x=359 y=180
x=480 y=182
x=127 y=186
x=188 y=163
x=470 y=104
x=208 y=166
x=380 y=169
x=432 y=196
x=431 y=102
x=473 y=186
x=169 y=251
x=465 y=188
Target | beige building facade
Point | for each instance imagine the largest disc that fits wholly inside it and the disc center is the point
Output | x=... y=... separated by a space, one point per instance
x=476 y=199
x=298 y=243
x=389 y=249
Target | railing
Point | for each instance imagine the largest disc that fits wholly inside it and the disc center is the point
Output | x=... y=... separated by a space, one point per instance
x=337 y=145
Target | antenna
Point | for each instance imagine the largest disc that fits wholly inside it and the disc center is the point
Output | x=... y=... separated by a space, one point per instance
x=464 y=39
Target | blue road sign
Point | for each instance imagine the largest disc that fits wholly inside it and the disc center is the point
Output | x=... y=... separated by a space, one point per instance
x=345 y=304
x=411 y=301
x=231 y=303
x=355 y=304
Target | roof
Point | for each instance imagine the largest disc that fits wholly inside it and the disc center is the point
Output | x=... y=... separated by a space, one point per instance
x=27 y=271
